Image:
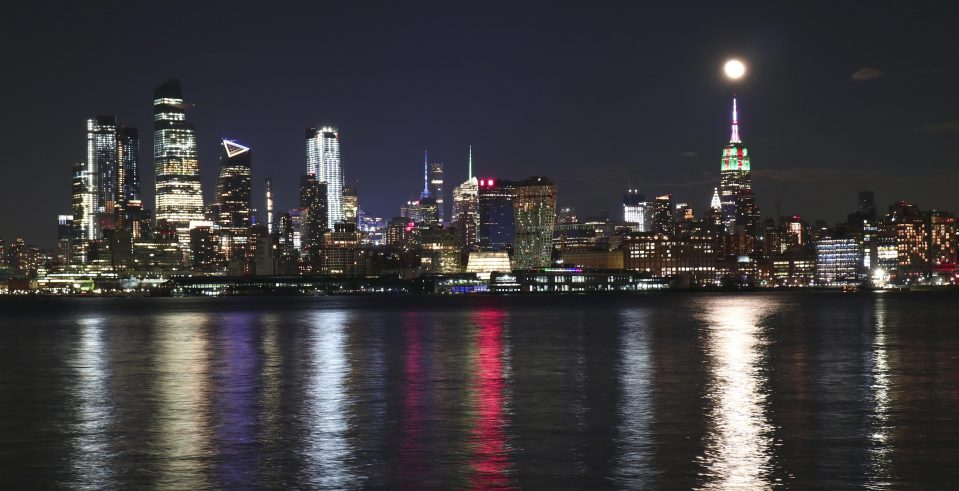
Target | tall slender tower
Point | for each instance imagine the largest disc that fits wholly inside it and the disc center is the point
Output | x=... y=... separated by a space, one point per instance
x=323 y=162
x=269 y=206
x=466 y=208
x=128 y=205
x=436 y=189
x=179 y=197
x=735 y=186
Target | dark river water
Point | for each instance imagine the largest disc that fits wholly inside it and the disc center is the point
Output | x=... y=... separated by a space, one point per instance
x=667 y=390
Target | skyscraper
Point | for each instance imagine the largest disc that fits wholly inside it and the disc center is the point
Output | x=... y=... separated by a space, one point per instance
x=735 y=187
x=466 y=208
x=535 y=211
x=314 y=199
x=128 y=207
x=323 y=161
x=436 y=189
x=234 y=188
x=634 y=210
x=497 y=228
x=102 y=163
x=351 y=205
x=269 y=206
x=179 y=197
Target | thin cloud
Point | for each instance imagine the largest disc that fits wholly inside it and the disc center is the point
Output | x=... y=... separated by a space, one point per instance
x=940 y=127
x=812 y=175
x=867 y=73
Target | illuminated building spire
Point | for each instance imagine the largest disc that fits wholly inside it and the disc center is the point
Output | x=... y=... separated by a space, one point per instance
x=734 y=137
x=469 y=172
x=716 y=203
x=426 y=172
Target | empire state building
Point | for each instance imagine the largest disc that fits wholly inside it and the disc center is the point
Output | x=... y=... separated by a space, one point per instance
x=736 y=195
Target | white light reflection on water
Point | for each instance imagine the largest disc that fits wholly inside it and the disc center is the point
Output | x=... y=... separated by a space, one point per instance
x=94 y=410
x=183 y=391
x=635 y=464
x=328 y=451
x=878 y=363
x=738 y=440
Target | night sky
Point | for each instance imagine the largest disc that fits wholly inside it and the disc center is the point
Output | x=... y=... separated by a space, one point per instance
x=599 y=96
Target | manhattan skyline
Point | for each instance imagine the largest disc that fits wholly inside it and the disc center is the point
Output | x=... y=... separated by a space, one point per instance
x=864 y=106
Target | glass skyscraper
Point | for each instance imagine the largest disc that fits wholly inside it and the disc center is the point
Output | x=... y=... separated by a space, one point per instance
x=535 y=209
x=234 y=187
x=323 y=162
x=179 y=197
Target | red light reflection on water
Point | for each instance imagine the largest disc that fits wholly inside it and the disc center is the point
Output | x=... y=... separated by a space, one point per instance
x=490 y=460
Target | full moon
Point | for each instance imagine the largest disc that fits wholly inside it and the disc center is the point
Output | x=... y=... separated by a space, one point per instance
x=734 y=69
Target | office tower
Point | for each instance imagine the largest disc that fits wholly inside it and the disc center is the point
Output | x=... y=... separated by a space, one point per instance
x=65 y=239
x=794 y=232
x=286 y=256
x=535 y=211
x=323 y=162
x=662 y=222
x=838 y=259
x=436 y=189
x=497 y=229
x=903 y=240
x=269 y=206
x=634 y=210
x=466 y=208
x=128 y=206
x=234 y=188
x=314 y=199
x=102 y=165
x=205 y=249
x=83 y=206
x=179 y=197
x=421 y=211
x=735 y=188
x=567 y=216
x=351 y=205
x=867 y=204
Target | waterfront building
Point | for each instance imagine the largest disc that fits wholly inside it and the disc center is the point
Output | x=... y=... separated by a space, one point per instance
x=909 y=231
x=323 y=162
x=497 y=221
x=179 y=196
x=942 y=245
x=595 y=259
x=796 y=269
x=691 y=258
x=482 y=263
x=838 y=260
x=535 y=211
x=343 y=253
